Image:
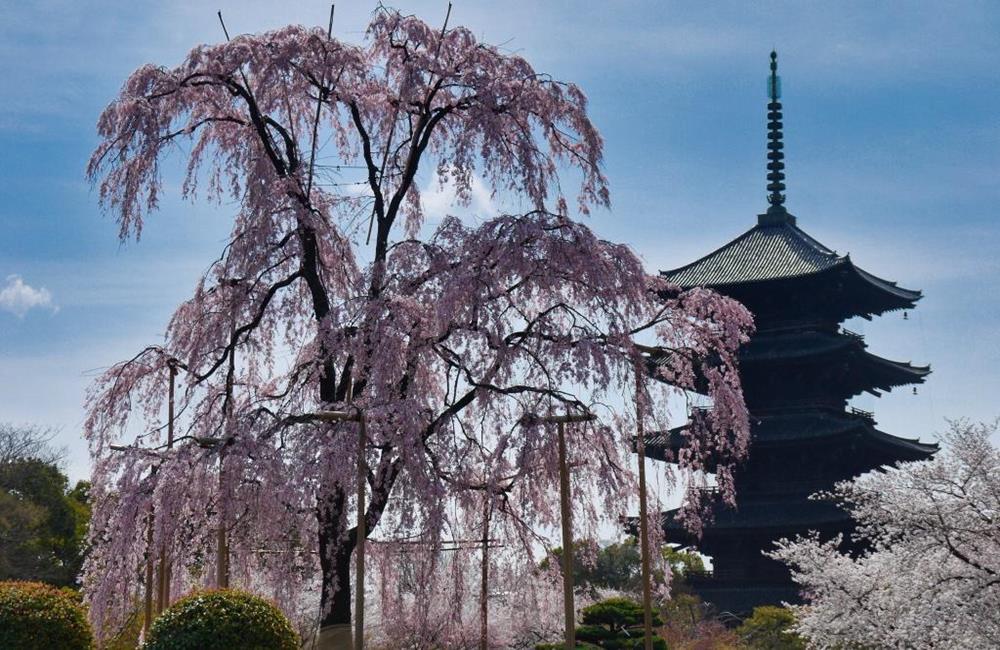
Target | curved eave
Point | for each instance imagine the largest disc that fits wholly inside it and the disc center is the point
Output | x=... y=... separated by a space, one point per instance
x=885 y=296
x=777 y=431
x=870 y=371
x=903 y=449
x=784 y=516
x=910 y=296
x=887 y=374
x=785 y=347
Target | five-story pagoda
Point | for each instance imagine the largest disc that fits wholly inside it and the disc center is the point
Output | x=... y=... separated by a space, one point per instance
x=798 y=371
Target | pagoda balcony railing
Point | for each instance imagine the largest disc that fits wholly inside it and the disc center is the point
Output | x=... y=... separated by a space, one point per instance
x=861 y=413
x=797 y=406
x=854 y=335
x=778 y=326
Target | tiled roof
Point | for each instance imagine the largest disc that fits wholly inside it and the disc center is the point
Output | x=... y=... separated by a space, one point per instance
x=776 y=249
x=784 y=514
x=801 y=427
x=765 y=252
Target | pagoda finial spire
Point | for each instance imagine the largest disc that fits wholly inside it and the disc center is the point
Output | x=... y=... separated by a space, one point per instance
x=775 y=156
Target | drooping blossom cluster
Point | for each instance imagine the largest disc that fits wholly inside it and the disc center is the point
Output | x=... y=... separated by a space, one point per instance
x=931 y=578
x=445 y=339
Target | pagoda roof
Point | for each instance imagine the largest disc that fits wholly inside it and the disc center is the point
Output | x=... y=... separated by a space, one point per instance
x=777 y=249
x=805 y=426
x=788 y=516
x=804 y=346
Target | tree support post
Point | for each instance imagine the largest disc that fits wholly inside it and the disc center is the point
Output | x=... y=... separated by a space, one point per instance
x=647 y=596
x=359 y=547
x=163 y=593
x=148 y=597
x=566 y=515
x=484 y=587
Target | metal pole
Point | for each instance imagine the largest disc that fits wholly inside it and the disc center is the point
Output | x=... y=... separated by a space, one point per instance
x=569 y=609
x=359 y=548
x=647 y=596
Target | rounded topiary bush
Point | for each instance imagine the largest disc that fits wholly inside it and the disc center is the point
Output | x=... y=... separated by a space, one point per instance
x=36 y=616
x=221 y=620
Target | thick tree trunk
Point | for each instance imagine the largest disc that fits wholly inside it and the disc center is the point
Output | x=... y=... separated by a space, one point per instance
x=335 y=550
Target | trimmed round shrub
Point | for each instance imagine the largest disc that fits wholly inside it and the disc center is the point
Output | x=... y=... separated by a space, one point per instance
x=37 y=616
x=222 y=619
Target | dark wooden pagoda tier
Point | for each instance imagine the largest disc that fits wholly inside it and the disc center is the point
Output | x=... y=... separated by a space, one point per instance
x=798 y=372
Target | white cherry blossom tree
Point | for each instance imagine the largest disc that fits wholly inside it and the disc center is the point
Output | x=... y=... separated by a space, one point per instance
x=931 y=576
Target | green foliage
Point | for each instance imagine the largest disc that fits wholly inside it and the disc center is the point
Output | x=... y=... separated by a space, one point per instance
x=36 y=616
x=221 y=620
x=618 y=566
x=43 y=523
x=616 y=623
x=683 y=563
x=769 y=628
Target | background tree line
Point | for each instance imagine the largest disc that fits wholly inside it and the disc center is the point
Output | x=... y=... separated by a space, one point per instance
x=43 y=520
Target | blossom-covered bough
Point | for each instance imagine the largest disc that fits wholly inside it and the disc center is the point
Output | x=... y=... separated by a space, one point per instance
x=931 y=576
x=443 y=337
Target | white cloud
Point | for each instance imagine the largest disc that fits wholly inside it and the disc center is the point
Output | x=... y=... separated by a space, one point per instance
x=19 y=298
x=439 y=200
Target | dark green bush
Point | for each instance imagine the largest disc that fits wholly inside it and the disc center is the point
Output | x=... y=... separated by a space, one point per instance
x=222 y=620
x=37 y=616
x=616 y=623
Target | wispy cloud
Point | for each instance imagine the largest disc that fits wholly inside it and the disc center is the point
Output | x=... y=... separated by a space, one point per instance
x=439 y=198
x=19 y=298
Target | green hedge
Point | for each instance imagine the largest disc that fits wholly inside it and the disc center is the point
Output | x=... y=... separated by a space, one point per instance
x=36 y=616
x=222 y=620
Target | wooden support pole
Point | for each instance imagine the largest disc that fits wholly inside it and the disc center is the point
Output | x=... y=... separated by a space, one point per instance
x=566 y=514
x=221 y=544
x=569 y=609
x=359 y=547
x=163 y=593
x=647 y=595
x=484 y=587
x=148 y=600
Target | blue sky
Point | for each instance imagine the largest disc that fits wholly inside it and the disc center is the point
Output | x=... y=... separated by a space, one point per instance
x=892 y=143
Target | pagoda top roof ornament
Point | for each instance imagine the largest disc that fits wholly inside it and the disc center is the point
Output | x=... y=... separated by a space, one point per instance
x=776 y=213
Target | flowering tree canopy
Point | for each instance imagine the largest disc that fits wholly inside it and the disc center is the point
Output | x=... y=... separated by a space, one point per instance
x=931 y=578
x=444 y=338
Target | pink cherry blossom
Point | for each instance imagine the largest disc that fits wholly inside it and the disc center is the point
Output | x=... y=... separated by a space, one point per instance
x=445 y=338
